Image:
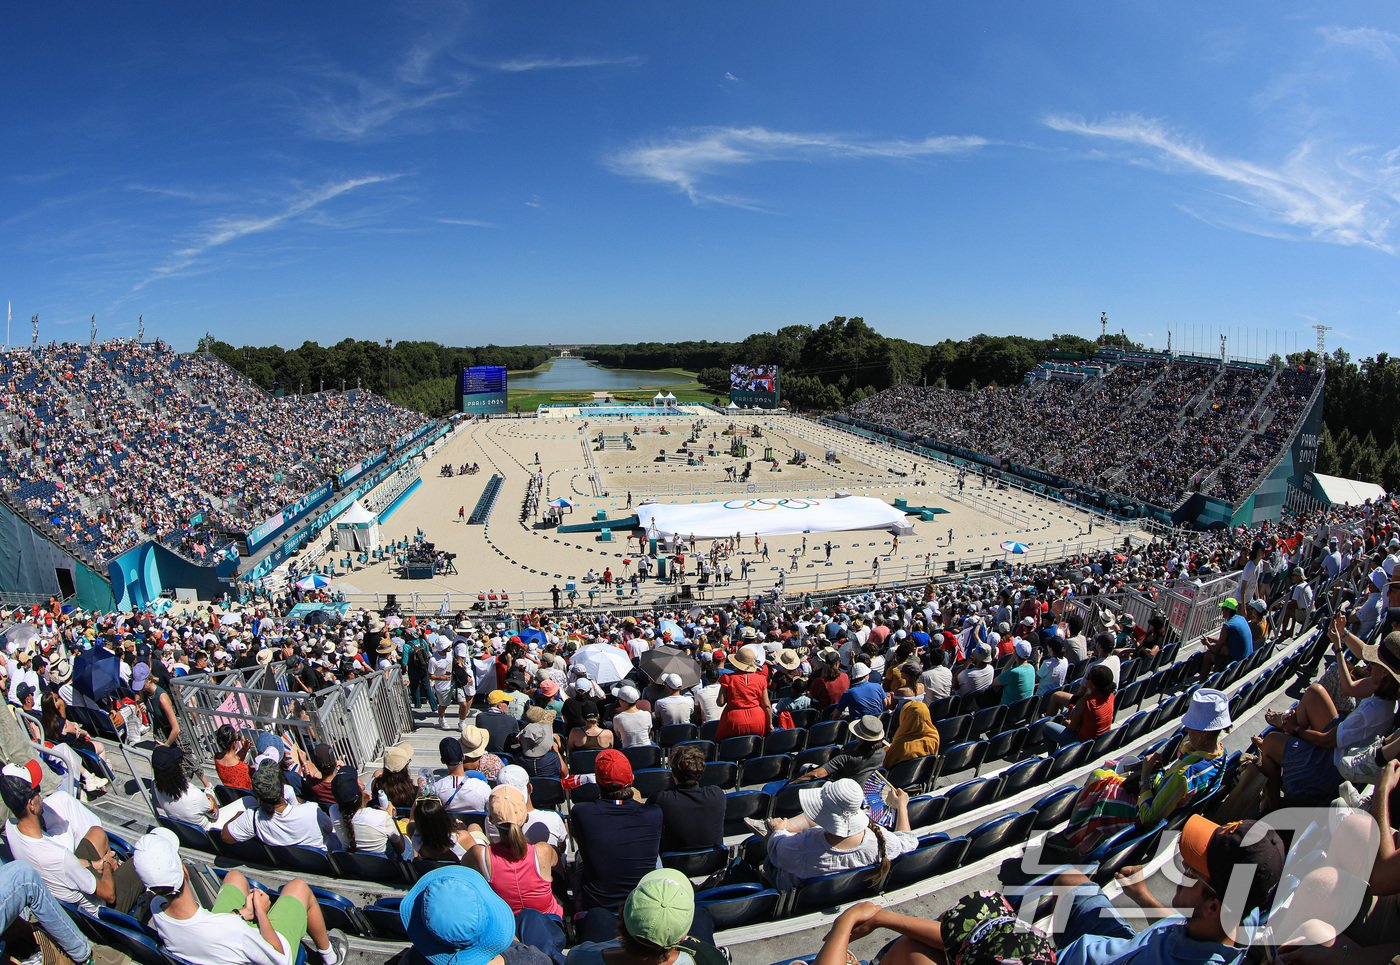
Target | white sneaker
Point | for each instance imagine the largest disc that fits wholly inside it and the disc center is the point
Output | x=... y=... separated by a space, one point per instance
x=759 y=827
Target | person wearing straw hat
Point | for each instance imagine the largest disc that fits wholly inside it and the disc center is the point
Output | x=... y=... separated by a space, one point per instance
x=858 y=763
x=835 y=833
x=743 y=695
x=1144 y=792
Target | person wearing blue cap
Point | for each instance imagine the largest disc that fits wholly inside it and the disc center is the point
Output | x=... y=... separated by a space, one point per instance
x=452 y=917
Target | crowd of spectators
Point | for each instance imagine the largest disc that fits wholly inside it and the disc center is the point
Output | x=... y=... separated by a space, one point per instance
x=1152 y=432
x=525 y=698
x=120 y=442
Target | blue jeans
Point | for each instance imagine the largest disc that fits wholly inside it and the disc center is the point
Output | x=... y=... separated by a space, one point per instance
x=21 y=886
x=1054 y=736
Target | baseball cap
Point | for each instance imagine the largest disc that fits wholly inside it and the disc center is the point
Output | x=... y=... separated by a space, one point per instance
x=506 y=805
x=267 y=782
x=1213 y=851
x=166 y=758
x=612 y=768
x=139 y=673
x=452 y=917
x=450 y=750
x=156 y=858
x=661 y=908
x=628 y=694
x=1229 y=603
x=513 y=775
x=497 y=697
x=1023 y=649
x=398 y=756
x=672 y=680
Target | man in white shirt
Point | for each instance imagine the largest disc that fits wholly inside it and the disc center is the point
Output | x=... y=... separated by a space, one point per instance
x=65 y=843
x=675 y=707
x=277 y=823
x=457 y=791
x=245 y=926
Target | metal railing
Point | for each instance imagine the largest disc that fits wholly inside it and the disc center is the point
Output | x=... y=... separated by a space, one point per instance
x=857 y=577
x=358 y=718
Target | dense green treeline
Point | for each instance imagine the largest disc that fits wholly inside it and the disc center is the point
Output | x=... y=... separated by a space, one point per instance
x=1361 y=405
x=823 y=367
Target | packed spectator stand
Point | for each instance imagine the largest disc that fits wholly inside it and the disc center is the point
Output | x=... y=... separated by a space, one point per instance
x=1155 y=431
x=1001 y=772
x=119 y=442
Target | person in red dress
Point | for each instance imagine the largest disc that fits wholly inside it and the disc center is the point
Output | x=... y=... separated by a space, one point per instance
x=744 y=697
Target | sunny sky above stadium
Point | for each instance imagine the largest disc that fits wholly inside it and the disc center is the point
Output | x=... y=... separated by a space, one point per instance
x=569 y=171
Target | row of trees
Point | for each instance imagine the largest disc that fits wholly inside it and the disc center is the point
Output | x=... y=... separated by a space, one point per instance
x=1361 y=438
x=420 y=375
x=824 y=367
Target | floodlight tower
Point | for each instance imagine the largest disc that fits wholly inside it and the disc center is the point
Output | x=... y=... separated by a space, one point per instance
x=1322 y=331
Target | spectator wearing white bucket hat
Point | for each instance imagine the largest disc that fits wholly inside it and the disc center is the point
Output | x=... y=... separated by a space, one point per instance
x=836 y=834
x=1154 y=790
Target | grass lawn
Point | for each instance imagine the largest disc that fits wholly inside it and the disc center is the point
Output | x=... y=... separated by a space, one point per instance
x=679 y=381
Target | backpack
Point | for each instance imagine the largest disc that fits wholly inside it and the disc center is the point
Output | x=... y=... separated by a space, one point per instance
x=418 y=659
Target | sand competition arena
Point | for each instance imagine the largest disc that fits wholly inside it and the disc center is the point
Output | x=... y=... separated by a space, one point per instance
x=745 y=473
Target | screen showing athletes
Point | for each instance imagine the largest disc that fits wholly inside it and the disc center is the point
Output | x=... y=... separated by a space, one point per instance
x=754 y=385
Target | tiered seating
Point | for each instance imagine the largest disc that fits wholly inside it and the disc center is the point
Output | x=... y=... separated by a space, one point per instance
x=482 y=510
x=1121 y=432
x=122 y=442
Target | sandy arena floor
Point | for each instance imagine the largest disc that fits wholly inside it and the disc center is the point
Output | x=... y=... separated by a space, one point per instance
x=524 y=559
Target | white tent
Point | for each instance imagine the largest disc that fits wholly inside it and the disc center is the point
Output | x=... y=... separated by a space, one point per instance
x=658 y=399
x=1337 y=491
x=357 y=529
x=670 y=398
x=773 y=516
x=732 y=405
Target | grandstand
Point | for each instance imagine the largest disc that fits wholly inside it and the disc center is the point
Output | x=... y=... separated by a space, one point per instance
x=110 y=447
x=1183 y=439
x=985 y=797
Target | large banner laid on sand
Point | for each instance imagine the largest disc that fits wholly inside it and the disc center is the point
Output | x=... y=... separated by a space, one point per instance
x=772 y=516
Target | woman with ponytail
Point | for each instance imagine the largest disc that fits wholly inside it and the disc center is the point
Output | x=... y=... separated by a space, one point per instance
x=360 y=826
x=520 y=872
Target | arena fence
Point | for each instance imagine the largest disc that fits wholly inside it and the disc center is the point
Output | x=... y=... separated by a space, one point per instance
x=857 y=578
x=358 y=718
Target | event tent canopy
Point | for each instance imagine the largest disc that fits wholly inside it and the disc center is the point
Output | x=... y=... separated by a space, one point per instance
x=357 y=529
x=1336 y=491
x=772 y=516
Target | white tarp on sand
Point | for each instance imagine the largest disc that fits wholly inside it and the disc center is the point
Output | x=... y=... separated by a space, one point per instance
x=772 y=516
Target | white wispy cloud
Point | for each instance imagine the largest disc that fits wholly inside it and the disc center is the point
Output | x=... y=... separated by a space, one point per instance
x=520 y=65
x=1380 y=44
x=685 y=160
x=467 y=222
x=358 y=104
x=223 y=231
x=730 y=77
x=1340 y=196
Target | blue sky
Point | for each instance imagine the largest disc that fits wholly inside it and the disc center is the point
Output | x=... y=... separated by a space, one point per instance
x=567 y=171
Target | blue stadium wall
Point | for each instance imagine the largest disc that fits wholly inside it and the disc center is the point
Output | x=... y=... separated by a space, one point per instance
x=140 y=575
x=29 y=562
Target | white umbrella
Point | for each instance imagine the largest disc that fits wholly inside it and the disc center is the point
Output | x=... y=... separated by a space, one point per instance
x=602 y=663
x=231 y=619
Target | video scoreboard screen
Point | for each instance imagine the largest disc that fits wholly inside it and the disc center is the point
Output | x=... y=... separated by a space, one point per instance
x=754 y=385
x=482 y=389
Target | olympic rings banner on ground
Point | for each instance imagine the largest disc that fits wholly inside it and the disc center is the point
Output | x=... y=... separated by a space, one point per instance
x=772 y=516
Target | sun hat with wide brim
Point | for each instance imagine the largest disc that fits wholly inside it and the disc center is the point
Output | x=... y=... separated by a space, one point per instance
x=835 y=807
x=869 y=729
x=452 y=917
x=743 y=660
x=1386 y=654
x=788 y=659
x=474 y=740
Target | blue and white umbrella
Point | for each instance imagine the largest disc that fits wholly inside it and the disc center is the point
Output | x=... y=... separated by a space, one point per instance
x=1011 y=546
x=316 y=581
